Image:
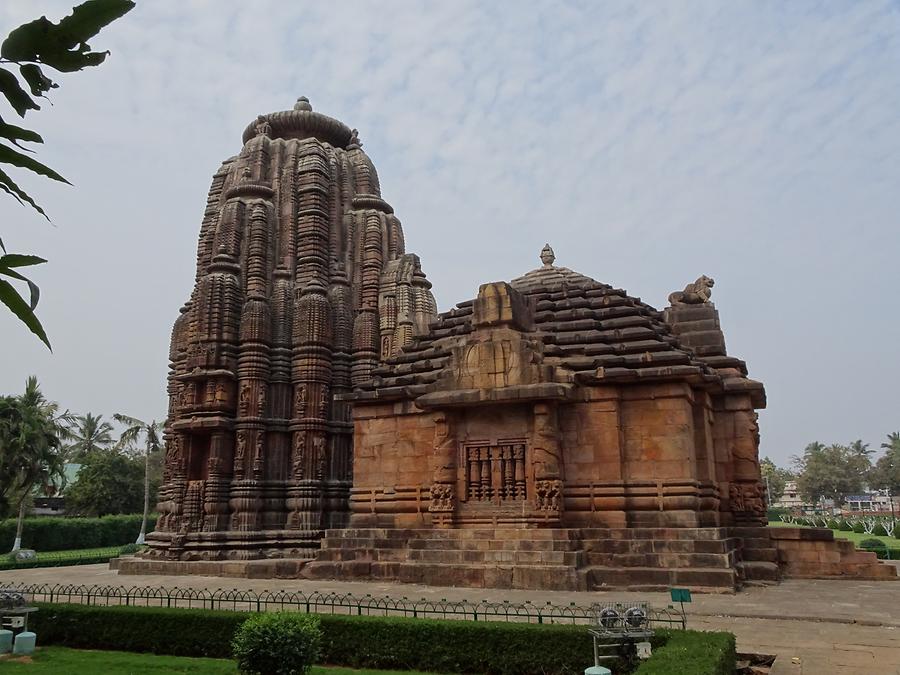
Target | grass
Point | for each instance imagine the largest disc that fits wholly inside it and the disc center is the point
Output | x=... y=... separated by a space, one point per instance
x=55 y=660
x=855 y=537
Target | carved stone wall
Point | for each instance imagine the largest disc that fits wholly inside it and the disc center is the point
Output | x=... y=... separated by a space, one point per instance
x=560 y=401
x=303 y=286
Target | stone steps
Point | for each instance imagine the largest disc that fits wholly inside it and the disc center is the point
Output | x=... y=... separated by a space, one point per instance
x=757 y=572
x=529 y=558
x=661 y=579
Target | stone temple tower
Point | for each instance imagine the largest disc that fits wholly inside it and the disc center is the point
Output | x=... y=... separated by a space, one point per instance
x=303 y=287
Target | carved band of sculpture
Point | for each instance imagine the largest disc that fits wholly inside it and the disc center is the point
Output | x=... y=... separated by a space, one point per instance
x=696 y=293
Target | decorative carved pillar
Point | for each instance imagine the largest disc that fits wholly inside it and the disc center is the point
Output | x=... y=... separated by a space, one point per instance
x=444 y=471
x=312 y=378
x=546 y=459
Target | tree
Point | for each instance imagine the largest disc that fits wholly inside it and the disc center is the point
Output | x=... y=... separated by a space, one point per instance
x=108 y=482
x=886 y=472
x=31 y=429
x=830 y=472
x=88 y=433
x=151 y=432
x=63 y=47
x=775 y=479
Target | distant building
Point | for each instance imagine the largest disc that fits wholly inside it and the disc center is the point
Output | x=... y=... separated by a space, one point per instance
x=868 y=503
x=790 y=498
x=54 y=505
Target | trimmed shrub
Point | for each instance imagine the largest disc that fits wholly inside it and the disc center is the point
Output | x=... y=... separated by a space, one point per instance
x=872 y=543
x=434 y=645
x=859 y=528
x=283 y=643
x=879 y=530
x=845 y=526
x=60 y=560
x=48 y=533
x=774 y=513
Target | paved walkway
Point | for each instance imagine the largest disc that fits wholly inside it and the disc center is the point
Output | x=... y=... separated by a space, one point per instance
x=833 y=627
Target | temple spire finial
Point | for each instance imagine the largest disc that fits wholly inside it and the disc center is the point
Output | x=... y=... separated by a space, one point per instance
x=547 y=256
x=303 y=104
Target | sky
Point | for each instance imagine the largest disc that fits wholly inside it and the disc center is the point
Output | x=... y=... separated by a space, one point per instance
x=648 y=142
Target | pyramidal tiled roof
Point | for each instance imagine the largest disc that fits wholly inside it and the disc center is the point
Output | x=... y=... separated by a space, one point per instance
x=596 y=332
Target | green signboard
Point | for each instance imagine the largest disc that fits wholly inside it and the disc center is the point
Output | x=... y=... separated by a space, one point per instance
x=681 y=595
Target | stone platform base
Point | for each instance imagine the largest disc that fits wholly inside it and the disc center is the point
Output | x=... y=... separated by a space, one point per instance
x=272 y=568
x=814 y=553
x=574 y=559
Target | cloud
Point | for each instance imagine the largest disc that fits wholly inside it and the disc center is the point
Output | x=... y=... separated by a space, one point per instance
x=648 y=142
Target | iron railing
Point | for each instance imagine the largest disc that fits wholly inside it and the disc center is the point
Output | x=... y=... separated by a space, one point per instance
x=327 y=603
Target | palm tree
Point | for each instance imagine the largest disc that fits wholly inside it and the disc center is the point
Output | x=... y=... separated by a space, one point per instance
x=151 y=432
x=89 y=433
x=893 y=442
x=34 y=432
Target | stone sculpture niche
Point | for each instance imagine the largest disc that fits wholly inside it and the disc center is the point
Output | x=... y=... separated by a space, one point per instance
x=303 y=287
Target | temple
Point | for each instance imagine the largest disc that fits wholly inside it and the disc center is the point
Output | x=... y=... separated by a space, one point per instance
x=303 y=286
x=556 y=400
x=557 y=433
x=553 y=433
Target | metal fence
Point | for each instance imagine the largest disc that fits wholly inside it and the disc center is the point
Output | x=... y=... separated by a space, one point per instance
x=328 y=603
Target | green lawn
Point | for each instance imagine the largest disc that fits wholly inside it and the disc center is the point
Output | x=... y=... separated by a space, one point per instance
x=55 y=660
x=855 y=537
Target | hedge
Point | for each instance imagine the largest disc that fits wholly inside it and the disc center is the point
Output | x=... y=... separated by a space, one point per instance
x=48 y=533
x=882 y=550
x=62 y=559
x=378 y=642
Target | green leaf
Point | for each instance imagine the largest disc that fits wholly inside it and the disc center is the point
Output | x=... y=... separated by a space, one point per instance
x=10 y=156
x=33 y=290
x=13 y=133
x=37 y=81
x=63 y=46
x=19 y=260
x=11 y=298
x=18 y=98
x=9 y=186
x=88 y=18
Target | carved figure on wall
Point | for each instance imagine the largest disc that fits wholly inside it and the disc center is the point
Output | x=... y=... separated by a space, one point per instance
x=299 y=448
x=221 y=395
x=549 y=493
x=442 y=497
x=214 y=465
x=546 y=452
x=319 y=455
x=444 y=453
x=323 y=404
x=696 y=293
x=240 y=452
x=244 y=399
x=258 y=455
x=261 y=402
x=300 y=401
x=187 y=394
x=263 y=128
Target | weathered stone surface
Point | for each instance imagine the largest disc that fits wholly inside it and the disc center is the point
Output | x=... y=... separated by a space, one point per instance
x=558 y=401
x=303 y=286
